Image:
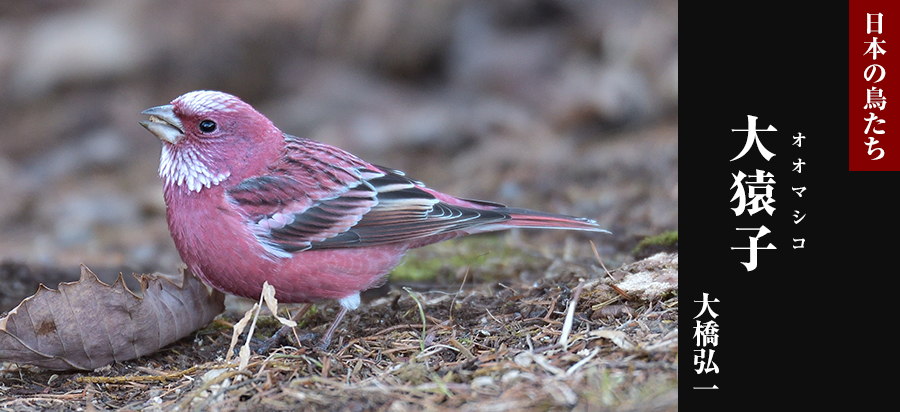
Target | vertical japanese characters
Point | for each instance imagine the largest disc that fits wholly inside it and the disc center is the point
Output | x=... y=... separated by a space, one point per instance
x=706 y=337
x=755 y=193
x=798 y=215
x=875 y=98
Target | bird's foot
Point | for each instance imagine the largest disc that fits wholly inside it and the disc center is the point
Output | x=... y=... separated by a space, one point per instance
x=282 y=337
x=323 y=343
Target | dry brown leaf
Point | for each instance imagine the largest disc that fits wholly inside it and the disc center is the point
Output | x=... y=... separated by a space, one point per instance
x=268 y=295
x=88 y=324
x=619 y=338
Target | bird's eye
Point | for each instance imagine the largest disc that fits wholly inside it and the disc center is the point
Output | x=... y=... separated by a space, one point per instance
x=207 y=126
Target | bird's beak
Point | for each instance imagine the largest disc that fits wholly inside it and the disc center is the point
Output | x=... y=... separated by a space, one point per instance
x=163 y=123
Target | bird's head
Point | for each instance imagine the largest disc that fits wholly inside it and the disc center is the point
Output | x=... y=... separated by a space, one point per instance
x=208 y=137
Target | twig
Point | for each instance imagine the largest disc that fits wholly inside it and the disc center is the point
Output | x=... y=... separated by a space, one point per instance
x=160 y=377
x=421 y=312
x=597 y=255
x=581 y=363
x=552 y=308
x=462 y=348
x=570 y=315
x=492 y=316
x=453 y=302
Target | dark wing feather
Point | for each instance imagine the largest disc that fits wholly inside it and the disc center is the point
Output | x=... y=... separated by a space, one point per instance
x=405 y=213
x=320 y=197
x=314 y=193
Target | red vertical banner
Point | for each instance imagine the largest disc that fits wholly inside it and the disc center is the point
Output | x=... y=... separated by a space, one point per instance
x=874 y=71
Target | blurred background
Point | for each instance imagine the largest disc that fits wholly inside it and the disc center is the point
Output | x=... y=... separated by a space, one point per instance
x=566 y=106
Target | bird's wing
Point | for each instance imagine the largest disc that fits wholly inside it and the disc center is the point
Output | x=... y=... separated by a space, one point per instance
x=409 y=212
x=321 y=197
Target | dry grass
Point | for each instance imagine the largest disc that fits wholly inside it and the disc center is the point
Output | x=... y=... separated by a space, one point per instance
x=485 y=347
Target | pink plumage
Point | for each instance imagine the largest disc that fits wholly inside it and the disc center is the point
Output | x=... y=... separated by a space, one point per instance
x=247 y=203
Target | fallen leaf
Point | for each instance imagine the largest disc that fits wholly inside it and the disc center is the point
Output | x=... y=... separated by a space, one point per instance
x=88 y=324
x=617 y=337
x=238 y=329
x=268 y=294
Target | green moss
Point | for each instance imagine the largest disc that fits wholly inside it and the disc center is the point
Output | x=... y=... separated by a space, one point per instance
x=414 y=269
x=484 y=254
x=663 y=242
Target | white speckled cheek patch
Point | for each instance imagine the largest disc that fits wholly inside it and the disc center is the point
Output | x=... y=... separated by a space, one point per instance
x=187 y=165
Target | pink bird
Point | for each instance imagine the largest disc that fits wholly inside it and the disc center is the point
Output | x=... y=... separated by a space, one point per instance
x=247 y=203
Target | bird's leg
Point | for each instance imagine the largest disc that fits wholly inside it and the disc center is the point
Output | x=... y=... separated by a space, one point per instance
x=347 y=303
x=282 y=333
x=323 y=344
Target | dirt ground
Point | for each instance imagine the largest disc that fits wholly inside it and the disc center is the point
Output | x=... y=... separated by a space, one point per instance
x=566 y=107
x=484 y=346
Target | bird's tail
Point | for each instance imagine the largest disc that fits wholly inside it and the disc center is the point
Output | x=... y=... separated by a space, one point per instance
x=526 y=218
